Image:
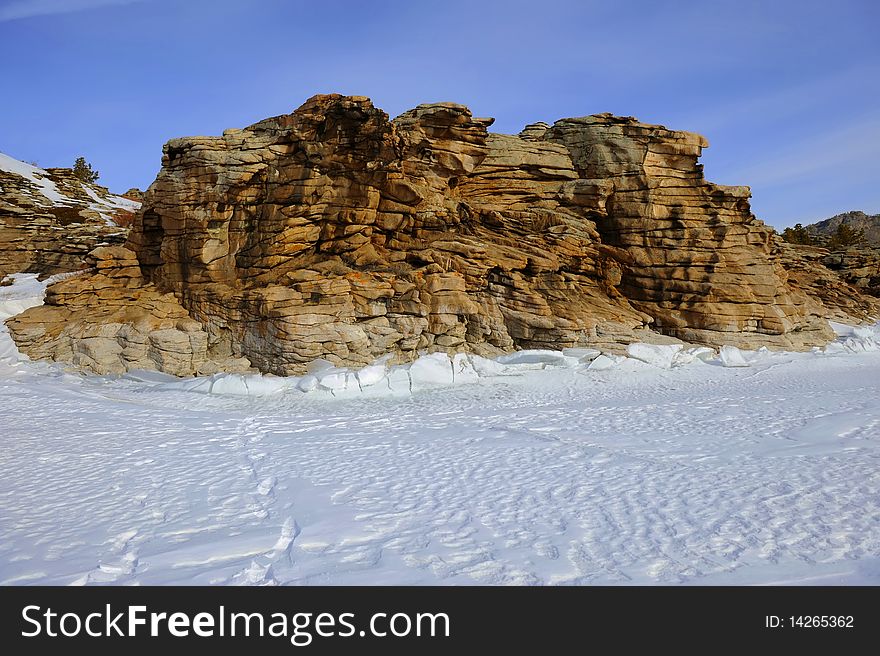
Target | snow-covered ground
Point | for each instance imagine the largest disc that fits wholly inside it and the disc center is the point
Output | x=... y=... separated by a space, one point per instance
x=666 y=467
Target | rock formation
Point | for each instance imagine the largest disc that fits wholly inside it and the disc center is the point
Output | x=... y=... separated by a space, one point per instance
x=859 y=266
x=113 y=322
x=134 y=194
x=50 y=220
x=334 y=232
x=693 y=256
x=843 y=286
x=845 y=279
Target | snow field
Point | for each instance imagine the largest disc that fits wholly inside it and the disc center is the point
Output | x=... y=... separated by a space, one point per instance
x=670 y=466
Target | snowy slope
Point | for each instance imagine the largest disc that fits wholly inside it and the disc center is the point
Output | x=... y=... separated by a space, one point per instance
x=666 y=467
x=38 y=186
x=38 y=178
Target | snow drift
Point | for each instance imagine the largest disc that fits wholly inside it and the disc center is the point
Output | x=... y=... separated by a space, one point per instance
x=431 y=370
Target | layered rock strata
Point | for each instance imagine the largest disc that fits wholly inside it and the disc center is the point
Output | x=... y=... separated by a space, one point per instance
x=837 y=292
x=692 y=255
x=334 y=232
x=114 y=321
x=50 y=220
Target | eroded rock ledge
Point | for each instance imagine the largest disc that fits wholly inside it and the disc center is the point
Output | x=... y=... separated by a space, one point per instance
x=335 y=232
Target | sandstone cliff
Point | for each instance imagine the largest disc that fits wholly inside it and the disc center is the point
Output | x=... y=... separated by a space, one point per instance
x=50 y=220
x=335 y=232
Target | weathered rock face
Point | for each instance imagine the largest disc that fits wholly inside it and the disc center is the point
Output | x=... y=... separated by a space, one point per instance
x=134 y=194
x=859 y=266
x=839 y=293
x=334 y=232
x=50 y=220
x=856 y=267
x=692 y=254
x=113 y=321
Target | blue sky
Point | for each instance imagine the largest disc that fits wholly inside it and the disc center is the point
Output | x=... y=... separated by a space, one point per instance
x=788 y=93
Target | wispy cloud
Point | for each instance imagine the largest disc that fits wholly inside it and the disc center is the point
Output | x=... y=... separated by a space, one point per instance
x=32 y=8
x=852 y=147
x=782 y=103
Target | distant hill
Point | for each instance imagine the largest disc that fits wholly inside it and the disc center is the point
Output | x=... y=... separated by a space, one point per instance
x=869 y=223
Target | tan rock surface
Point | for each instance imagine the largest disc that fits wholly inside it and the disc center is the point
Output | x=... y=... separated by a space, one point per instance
x=692 y=255
x=110 y=321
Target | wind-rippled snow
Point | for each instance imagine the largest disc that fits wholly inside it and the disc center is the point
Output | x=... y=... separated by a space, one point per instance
x=666 y=467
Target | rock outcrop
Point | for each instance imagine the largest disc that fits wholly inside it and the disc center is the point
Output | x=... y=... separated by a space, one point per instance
x=693 y=256
x=858 y=266
x=134 y=194
x=334 y=232
x=843 y=286
x=845 y=279
x=50 y=220
x=113 y=321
